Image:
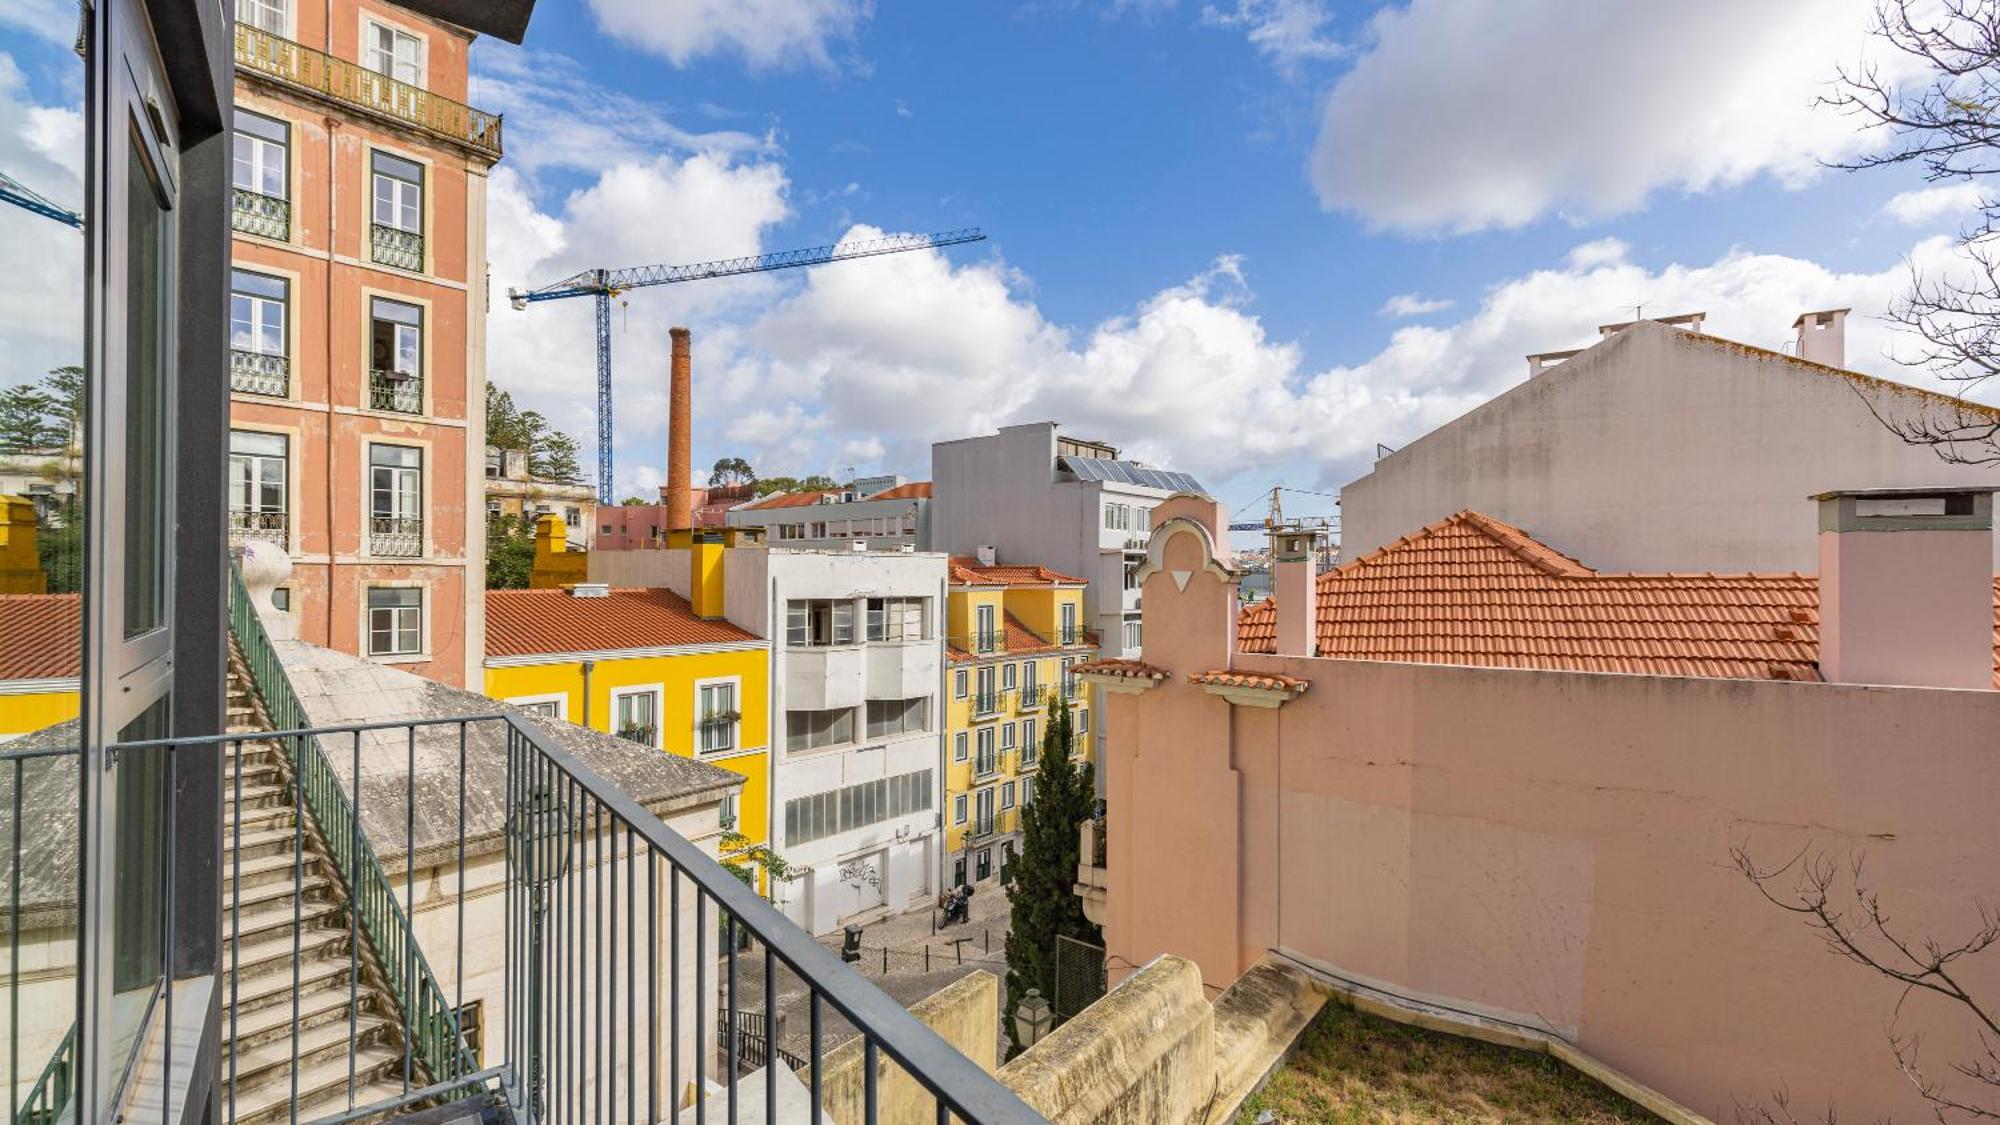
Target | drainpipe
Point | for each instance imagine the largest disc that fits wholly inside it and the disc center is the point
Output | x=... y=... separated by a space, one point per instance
x=588 y=667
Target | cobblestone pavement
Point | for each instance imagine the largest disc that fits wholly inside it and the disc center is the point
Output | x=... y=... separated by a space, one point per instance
x=954 y=951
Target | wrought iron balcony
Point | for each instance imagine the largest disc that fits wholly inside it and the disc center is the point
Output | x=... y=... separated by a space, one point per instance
x=259 y=373
x=396 y=537
x=394 y=246
x=351 y=85
x=985 y=703
x=266 y=216
x=399 y=391
x=605 y=952
x=272 y=527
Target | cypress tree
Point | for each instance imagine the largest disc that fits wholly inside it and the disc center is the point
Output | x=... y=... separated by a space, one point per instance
x=1043 y=893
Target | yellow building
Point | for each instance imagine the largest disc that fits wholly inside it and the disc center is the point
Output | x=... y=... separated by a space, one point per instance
x=1013 y=633
x=40 y=661
x=641 y=664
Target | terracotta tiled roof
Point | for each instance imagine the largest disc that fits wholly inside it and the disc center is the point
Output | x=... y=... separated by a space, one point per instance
x=967 y=571
x=1126 y=669
x=915 y=490
x=1472 y=590
x=1268 y=682
x=41 y=636
x=786 y=500
x=530 y=622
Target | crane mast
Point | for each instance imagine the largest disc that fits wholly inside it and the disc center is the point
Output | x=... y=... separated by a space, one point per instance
x=601 y=285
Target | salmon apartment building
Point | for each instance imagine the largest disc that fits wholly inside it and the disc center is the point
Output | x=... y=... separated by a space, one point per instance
x=357 y=341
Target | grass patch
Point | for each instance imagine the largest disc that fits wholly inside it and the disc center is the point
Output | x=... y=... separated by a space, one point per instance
x=1354 y=1067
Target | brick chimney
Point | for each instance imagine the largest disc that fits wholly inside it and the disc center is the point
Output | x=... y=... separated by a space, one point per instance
x=1295 y=586
x=1822 y=337
x=1906 y=587
x=680 y=407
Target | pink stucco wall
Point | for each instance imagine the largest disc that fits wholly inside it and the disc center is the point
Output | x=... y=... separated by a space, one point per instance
x=1553 y=848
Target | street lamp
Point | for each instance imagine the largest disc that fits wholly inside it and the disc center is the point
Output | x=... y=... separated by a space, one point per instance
x=1032 y=1019
x=538 y=846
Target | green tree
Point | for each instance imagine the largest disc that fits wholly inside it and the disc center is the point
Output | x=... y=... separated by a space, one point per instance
x=24 y=417
x=554 y=459
x=64 y=386
x=817 y=482
x=59 y=543
x=510 y=552
x=731 y=470
x=1043 y=895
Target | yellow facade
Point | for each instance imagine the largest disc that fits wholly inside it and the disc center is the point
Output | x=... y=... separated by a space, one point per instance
x=993 y=628
x=676 y=677
x=20 y=562
x=24 y=711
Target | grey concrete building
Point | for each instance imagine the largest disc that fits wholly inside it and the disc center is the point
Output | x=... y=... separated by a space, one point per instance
x=1032 y=495
x=872 y=514
x=1664 y=448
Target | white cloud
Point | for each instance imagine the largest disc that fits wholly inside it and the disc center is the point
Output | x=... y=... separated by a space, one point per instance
x=1465 y=115
x=766 y=33
x=1287 y=32
x=53 y=20
x=1928 y=205
x=1411 y=304
x=557 y=117
x=41 y=261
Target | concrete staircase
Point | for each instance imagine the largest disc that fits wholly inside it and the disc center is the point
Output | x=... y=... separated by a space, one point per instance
x=344 y=1009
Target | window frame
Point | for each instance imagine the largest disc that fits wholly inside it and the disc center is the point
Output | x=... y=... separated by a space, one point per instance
x=559 y=698
x=422 y=611
x=618 y=695
x=370 y=48
x=258 y=144
x=734 y=684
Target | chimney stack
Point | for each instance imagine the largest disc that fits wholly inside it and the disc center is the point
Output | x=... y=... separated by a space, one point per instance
x=680 y=407
x=1822 y=337
x=1295 y=586
x=1906 y=587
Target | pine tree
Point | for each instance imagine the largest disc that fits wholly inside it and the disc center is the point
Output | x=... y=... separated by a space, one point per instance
x=1043 y=893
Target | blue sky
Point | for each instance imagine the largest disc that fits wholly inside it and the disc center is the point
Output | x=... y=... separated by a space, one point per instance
x=1200 y=213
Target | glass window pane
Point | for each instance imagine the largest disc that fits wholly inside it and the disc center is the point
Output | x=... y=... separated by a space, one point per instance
x=148 y=406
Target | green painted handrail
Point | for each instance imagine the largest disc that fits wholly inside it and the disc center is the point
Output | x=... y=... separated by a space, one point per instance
x=54 y=1088
x=430 y=1021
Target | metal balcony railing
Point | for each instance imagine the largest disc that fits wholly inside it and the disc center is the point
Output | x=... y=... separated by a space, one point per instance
x=394 y=246
x=356 y=87
x=259 y=373
x=266 y=216
x=272 y=527
x=985 y=703
x=396 y=537
x=399 y=391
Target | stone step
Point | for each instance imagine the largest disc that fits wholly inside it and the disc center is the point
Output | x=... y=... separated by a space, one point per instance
x=316 y=888
x=261 y=819
x=265 y=842
x=254 y=796
x=253 y=871
x=253 y=926
x=316 y=1007
x=275 y=988
x=275 y=954
x=264 y=1075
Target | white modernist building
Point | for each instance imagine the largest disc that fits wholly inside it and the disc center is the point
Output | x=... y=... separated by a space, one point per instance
x=1030 y=494
x=857 y=729
x=857 y=681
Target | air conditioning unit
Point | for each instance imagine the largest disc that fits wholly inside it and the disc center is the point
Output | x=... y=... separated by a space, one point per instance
x=907 y=548
x=859 y=545
x=590 y=590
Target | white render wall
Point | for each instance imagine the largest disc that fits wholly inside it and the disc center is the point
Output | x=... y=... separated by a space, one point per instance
x=1000 y=490
x=896 y=860
x=1654 y=451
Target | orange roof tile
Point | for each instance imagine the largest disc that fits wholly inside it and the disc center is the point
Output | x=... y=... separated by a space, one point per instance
x=787 y=500
x=1265 y=681
x=1126 y=669
x=915 y=490
x=1472 y=590
x=531 y=622
x=967 y=571
x=41 y=636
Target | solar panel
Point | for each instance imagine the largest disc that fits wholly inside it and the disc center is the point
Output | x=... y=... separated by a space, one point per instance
x=1125 y=472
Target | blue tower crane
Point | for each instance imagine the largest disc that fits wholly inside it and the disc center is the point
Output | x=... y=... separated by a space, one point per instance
x=20 y=195
x=602 y=285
